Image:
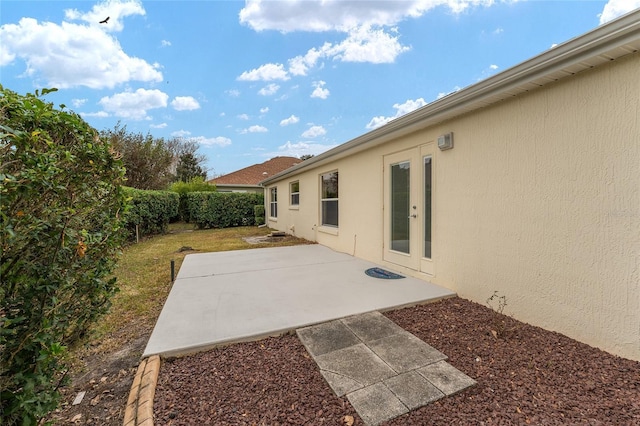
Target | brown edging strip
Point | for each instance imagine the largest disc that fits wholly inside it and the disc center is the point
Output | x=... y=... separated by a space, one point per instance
x=139 y=411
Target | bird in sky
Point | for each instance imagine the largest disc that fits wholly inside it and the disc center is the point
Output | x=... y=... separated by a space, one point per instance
x=105 y=20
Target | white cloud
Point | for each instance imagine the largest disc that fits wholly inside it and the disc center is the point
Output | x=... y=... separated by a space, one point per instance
x=99 y=114
x=615 y=8
x=77 y=103
x=181 y=133
x=319 y=91
x=367 y=44
x=401 y=109
x=184 y=103
x=134 y=105
x=264 y=110
x=314 y=132
x=331 y=15
x=165 y=43
x=300 y=148
x=243 y=116
x=300 y=65
x=291 y=120
x=220 y=141
x=267 y=72
x=70 y=55
x=114 y=9
x=498 y=31
x=158 y=126
x=270 y=89
x=493 y=67
x=233 y=93
x=254 y=129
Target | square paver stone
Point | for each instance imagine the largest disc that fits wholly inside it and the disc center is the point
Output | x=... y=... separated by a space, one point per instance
x=376 y=404
x=372 y=326
x=413 y=390
x=404 y=352
x=446 y=377
x=357 y=363
x=327 y=337
x=340 y=384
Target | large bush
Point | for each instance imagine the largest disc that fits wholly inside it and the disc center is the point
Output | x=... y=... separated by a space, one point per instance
x=222 y=209
x=61 y=203
x=196 y=184
x=149 y=211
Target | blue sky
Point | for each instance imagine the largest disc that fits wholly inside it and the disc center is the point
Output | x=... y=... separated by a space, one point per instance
x=250 y=80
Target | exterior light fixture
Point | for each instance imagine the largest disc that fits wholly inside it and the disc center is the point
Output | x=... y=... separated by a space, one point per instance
x=445 y=141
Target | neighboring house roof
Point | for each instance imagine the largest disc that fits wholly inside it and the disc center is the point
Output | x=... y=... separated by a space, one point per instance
x=606 y=43
x=253 y=175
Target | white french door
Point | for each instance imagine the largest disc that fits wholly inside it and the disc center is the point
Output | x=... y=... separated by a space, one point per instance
x=408 y=192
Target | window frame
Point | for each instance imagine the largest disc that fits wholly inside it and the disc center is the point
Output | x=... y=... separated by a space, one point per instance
x=292 y=194
x=273 y=202
x=324 y=201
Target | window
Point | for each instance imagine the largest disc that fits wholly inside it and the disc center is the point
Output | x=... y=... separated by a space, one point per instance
x=273 y=202
x=428 y=185
x=294 y=189
x=329 y=199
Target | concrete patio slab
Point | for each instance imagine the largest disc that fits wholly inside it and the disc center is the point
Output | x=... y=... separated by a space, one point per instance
x=226 y=297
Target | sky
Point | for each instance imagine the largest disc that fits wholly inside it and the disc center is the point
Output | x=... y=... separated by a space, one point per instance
x=251 y=80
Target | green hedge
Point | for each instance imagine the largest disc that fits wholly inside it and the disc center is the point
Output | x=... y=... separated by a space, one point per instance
x=61 y=205
x=151 y=211
x=222 y=209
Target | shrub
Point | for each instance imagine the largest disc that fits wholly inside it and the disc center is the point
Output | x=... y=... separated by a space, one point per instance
x=197 y=184
x=258 y=213
x=222 y=209
x=150 y=211
x=60 y=207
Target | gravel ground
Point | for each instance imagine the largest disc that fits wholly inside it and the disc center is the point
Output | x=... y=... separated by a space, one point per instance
x=525 y=375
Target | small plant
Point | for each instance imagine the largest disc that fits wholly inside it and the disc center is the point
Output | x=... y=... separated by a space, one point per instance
x=501 y=301
x=497 y=304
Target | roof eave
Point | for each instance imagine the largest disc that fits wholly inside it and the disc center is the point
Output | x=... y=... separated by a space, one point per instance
x=605 y=43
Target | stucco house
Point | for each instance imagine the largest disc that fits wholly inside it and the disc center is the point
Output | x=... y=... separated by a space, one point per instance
x=248 y=179
x=526 y=183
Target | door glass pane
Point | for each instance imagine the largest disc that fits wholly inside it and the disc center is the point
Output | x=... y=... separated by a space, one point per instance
x=427 y=206
x=400 y=207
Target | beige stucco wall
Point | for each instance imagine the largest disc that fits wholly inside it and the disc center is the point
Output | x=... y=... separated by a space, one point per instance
x=539 y=200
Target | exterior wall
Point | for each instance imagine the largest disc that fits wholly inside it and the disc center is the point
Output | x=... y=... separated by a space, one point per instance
x=539 y=200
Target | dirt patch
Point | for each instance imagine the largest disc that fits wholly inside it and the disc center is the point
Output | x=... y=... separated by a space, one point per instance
x=266 y=239
x=529 y=376
x=106 y=380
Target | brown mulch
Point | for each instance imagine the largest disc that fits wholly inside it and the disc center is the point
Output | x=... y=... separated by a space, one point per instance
x=525 y=375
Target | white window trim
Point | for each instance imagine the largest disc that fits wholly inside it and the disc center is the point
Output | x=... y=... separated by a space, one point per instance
x=273 y=202
x=324 y=226
x=291 y=194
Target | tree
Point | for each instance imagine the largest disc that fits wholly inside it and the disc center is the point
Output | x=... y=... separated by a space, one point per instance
x=154 y=163
x=188 y=168
x=190 y=163
x=61 y=204
x=148 y=161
